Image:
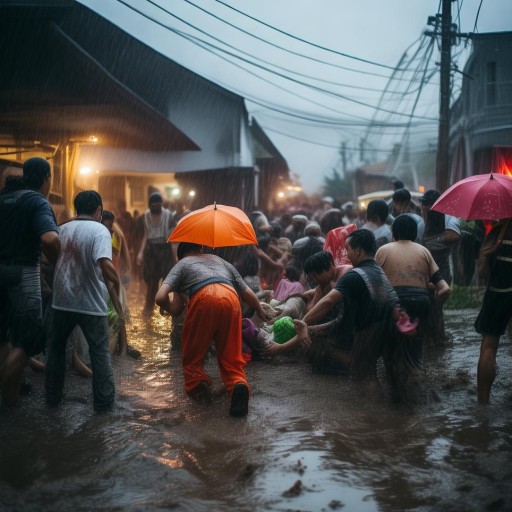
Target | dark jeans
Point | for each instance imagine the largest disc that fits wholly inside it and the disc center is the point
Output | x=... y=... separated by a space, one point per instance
x=95 y=329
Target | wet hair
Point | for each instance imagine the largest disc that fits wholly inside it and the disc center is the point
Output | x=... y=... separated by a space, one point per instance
x=434 y=223
x=263 y=241
x=108 y=215
x=330 y=220
x=155 y=197
x=318 y=262
x=185 y=248
x=378 y=208
x=86 y=202
x=292 y=273
x=248 y=264
x=398 y=184
x=402 y=195
x=276 y=229
x=404 y=228
x=35 y=172
x=363 y=239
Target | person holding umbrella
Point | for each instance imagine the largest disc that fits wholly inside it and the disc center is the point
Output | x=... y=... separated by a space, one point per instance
x=487 y=197
x=213 y=313
x=214 y=289
x=495 y=265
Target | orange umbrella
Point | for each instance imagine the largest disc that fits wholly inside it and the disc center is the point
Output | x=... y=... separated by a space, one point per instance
x=215 y=225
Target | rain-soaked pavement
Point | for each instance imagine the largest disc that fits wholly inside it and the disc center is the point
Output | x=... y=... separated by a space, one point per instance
x=310 y=442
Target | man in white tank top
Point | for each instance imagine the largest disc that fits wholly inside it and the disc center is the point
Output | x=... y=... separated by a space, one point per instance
x=155 y=253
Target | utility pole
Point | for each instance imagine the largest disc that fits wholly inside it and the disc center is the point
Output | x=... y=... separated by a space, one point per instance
x=443 y=140
x=344 y=158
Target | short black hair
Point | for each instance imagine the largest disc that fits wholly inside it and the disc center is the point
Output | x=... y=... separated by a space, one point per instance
x=292 y=273
x=36 y=171
x=402 y=195
x=86 y=202
x=155 y=197
x=398 y=184
x=107 y=215
x=377 y=208
x=186 y=247
x=318 y=262
x=404 y=228
x=363 y=239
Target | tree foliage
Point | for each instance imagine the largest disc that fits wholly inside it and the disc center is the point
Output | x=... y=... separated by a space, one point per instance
x=336 y=185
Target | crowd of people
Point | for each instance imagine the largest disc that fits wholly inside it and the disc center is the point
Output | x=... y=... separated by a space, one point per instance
x=359 y=287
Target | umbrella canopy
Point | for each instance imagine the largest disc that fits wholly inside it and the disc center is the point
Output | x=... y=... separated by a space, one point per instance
x=480 y=197
x=215 y=225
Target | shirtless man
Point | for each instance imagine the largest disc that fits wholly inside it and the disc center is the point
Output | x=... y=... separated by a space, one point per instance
x=411 y=269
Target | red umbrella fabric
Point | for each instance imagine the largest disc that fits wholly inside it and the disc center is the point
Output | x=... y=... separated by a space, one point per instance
x=479 y=197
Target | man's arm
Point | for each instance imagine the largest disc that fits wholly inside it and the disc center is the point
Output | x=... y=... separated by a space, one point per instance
x=111 y=278
x=322 y=307
x=162 y=297
x=50 y=245
x=249 y=297
x=443 y=291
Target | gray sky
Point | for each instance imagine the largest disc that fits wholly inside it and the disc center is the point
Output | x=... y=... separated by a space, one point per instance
x=374 y=30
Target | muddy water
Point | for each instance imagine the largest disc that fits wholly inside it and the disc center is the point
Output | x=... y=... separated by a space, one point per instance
x=310 y=442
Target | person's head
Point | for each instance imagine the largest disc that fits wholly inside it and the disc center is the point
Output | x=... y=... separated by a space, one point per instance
x=429 y=198
x=378 y=211
x=398 y=184
x=276 y=229
x=107 y=219
x=37 y=174
x=299 y=222
x=248 y=264
x=312 y=229
x=331 y=219
x=360 y=245
x=88 y=202
x=263 y=241
x=401 y=200
x=188 y=248
x=404 y=228
x=320 y=267
x=155 y=202
x=292 y=273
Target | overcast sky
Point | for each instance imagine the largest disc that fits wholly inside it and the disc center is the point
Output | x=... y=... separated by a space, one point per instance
x=307 y=95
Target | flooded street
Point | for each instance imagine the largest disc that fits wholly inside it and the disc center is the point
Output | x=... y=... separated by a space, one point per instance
x=310 y=442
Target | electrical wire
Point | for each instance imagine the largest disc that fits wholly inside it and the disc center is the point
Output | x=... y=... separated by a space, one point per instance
x=261 y=39
x=477 y=15
x=194 y=39
x=330 y=50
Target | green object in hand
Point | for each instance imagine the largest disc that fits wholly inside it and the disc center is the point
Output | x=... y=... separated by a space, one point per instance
x=284 y=330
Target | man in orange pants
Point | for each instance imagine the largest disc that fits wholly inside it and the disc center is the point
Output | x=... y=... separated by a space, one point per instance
x=214 y=313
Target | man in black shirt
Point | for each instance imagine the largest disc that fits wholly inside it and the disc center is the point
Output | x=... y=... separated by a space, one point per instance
x=27 y=225
x=370 y=305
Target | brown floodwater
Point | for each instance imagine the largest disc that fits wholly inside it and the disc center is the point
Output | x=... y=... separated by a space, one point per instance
x=310 y=442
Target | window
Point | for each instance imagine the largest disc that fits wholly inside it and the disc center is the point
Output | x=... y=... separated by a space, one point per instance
x=490 y=84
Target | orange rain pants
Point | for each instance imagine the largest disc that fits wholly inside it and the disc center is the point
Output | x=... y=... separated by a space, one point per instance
x=214 y=313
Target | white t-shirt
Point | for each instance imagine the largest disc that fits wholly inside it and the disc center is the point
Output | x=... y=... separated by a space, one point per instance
x=78 y=284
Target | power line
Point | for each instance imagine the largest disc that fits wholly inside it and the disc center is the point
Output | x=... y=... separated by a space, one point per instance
x=330 y=50
x=313 y=87
x=477 y=15
x=194 y=40
x=256 y=37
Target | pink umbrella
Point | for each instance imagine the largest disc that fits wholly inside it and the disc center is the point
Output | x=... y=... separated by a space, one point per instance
x=480 y=197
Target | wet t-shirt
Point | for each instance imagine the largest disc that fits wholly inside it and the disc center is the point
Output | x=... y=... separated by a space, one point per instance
x=407 y=263
x=360 y=308
x=24 y=216
x=191 y=271
x=78 y=284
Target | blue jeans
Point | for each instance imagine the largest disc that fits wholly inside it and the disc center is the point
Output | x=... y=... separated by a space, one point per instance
x=95 y=329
